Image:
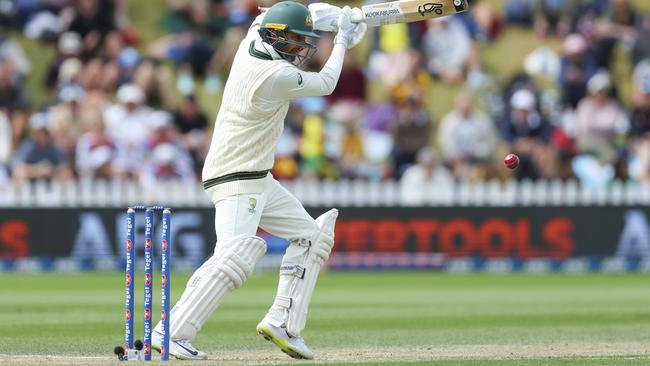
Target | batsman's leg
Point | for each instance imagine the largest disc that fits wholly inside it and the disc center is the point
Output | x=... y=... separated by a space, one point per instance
x=236 y=254
x=310 y=245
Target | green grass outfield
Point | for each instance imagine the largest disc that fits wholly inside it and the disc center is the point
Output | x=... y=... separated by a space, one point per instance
x=423 y=318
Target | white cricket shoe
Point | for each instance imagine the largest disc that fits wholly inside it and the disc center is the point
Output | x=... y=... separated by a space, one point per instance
x=294 y=346
x=181 y=349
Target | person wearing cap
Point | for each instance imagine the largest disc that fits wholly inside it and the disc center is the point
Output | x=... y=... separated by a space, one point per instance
x=95 y=150
x=577 y=65
x=69 y=53
x=64 y=117
x=265 y=76
x=38 y=157
x=127 y=123
x=601 y=122
x=528 y=132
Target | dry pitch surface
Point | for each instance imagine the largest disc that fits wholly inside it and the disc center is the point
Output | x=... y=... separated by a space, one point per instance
x=371 y=318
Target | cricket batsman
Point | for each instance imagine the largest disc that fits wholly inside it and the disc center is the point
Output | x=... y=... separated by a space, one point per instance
x=264 y=78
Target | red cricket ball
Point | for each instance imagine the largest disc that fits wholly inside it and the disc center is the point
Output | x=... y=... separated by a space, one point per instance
x=511 y=161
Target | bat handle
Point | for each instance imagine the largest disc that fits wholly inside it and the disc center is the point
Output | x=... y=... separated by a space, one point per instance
x=357 y=18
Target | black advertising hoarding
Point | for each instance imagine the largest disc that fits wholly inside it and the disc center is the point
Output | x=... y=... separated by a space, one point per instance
x=452 y=232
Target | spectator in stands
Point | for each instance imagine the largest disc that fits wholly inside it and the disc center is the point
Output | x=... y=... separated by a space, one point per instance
x=616 y=24
x=601 y=123
x=352 y=83
x=38 y=157
x=69 y=48
x=95 y=151
x=168 y=158
x=640 y=117
x=641 y=48
x=93 y=20
x=13 y=100
x=65 y=125
x=467 y=138
x=13 y=53
x=528 y=133
x=157 y=82
x=127 y=123
x=426 y=180
x=482 y=21
x=6 y=147
x=554 y=17
x=450 y=52
x=577 y=66
x=639 y=142
x=411 y=132
x=518 y=12
x=192 y=124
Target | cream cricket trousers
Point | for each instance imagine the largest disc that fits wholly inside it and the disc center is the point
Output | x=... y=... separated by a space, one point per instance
x=276 y=211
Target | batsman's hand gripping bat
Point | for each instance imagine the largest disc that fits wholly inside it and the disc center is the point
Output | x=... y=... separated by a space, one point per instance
x=407 y=11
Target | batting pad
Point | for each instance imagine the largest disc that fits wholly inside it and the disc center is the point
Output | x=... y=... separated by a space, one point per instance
x=212 y=282
x=304 y=276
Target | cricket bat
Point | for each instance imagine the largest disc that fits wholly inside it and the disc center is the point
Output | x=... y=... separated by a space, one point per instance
x=407 y=11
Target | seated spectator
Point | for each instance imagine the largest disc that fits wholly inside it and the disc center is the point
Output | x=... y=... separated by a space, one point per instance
x=640 y=118
x=352 y=151
x=69 y=48
x=38 y=157
x=426 y=180
x=449 y=51
x=577 y=66
x=92 y=20
x=641 y=48
x=65 y=118
x=95 y=151
x=351 y=84
x=13 y=53
x=192 y=124
x=518 y=12
x=157 y=82
x=467 y=137
x=127 y=123
x=553 y=17
x=13 y=101
x=6 y=147
x=482 y=21
x=616 y=24
x=411 y=132
x=528 y=134
x=600 y=120
x=167 y=162
x=168 y=159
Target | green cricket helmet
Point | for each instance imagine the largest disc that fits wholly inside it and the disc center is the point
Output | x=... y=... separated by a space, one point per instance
x=289 y=17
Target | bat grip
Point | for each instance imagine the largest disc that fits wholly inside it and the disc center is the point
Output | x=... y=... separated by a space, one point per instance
x=357 y=18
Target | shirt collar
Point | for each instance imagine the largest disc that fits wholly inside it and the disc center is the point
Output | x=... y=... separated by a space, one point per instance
x=266 y=48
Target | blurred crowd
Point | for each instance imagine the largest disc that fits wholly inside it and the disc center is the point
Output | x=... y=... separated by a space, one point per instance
x=121 y=107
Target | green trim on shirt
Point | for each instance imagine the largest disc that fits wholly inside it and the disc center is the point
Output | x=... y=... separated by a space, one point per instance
x=234 y=177
x=258 y=54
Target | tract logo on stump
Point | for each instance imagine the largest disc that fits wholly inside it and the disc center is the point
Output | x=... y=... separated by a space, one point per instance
x=147 y=279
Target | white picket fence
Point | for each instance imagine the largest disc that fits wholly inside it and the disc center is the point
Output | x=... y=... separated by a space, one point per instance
x=342 y=193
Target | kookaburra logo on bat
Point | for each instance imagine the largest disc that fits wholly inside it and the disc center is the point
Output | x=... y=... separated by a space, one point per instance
x=430 y=8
